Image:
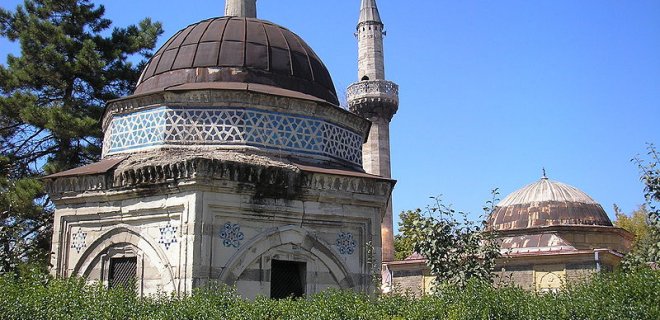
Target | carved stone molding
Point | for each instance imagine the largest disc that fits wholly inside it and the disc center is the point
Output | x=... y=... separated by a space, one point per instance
x=78 y=184
x=373 y=97
x=270 y=180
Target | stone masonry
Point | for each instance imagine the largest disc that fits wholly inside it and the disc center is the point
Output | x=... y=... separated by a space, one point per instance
x=376 y=99
x=189 y=215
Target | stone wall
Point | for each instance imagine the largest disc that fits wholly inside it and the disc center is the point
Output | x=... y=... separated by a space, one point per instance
x=205 y=220
x=152 y=229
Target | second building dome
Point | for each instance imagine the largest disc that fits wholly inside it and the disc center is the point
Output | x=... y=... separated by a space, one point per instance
x=547 y=203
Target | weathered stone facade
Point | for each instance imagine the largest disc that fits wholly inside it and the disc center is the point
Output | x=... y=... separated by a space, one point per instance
x=551 y=272
x=552 y=234
x=194 y=218
x=258 y=184
x=410 y=276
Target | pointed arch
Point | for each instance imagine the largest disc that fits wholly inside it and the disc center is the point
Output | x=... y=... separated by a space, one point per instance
x=124 y=234
x=276 y=237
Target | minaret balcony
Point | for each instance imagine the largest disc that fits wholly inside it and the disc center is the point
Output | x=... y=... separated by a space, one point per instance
x=373 y=93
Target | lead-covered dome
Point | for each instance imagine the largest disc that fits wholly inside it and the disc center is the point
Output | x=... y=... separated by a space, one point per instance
x=547 y=203
x=238 y=50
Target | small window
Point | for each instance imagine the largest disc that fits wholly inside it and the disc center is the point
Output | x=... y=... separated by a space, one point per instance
x=365 y=78
x=123 y=272
x=287 y=279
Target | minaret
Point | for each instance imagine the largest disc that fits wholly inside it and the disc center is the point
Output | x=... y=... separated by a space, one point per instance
x=376 y=99
x=241 y=8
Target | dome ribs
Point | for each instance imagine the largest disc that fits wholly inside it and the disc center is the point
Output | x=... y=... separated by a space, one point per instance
x=239 y=50
x=280 y=51
x=232 y=49
x=196 y=33
x=208 y=51
x=215 y=31
x=268 y=48
x=150 y=70
x=256 y=46
x=192 y=45
x=299 y=59
x=547 y=203
x=167 y=59
x=307 y=57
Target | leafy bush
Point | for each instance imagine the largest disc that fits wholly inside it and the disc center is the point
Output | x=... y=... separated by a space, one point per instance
x=647 y=250
x=610 y=296
x=456 y=251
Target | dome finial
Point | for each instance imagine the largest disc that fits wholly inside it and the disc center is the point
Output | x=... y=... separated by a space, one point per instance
x=241 y=8
x=545 y=177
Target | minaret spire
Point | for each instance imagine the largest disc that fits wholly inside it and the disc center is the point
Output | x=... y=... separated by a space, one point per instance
x=376 y=99
x=241 y=8
x=371 y=65
x=369 y=12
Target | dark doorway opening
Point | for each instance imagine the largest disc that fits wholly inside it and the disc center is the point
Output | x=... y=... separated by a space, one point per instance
x=287 y=279
x=365 y=78
x=123 y=273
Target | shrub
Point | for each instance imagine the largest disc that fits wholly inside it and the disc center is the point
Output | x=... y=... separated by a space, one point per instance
x=618 y=296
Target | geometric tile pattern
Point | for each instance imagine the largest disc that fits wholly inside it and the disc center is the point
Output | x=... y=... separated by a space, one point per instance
x=167 y=235
x=345 y=243
x=231 y=235
x=138 y=129
x=233 y=126
x=78 y=240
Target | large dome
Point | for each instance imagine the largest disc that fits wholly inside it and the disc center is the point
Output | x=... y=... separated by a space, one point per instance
x=547 y=203
x=238 y=50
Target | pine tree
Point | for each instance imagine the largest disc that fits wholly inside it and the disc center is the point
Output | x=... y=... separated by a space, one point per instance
x=51 y=100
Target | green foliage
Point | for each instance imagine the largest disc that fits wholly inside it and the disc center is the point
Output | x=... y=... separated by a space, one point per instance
x=647 y=250
x=456 y=251
x=634 y=295
x=635 y=223
x=51 y=100
x=403 y=244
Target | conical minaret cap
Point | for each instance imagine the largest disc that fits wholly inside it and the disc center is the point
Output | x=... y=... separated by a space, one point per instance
x=241 y=8
x=369 y=12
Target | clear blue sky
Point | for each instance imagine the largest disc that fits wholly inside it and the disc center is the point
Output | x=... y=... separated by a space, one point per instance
x=491 y=91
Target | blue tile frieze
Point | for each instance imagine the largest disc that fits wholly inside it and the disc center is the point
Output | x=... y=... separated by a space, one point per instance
x=233 y=126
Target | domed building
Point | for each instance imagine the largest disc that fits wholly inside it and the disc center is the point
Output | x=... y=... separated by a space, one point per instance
x=232 y=162
x=552 y=233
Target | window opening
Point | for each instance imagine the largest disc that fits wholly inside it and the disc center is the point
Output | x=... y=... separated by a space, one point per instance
x=287 y=279
x=123 y=272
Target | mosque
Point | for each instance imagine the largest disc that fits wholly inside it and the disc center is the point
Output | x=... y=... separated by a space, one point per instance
x=233 y=162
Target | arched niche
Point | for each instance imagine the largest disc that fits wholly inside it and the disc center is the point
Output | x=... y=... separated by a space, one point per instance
x=274 y=243
x=153 y=266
